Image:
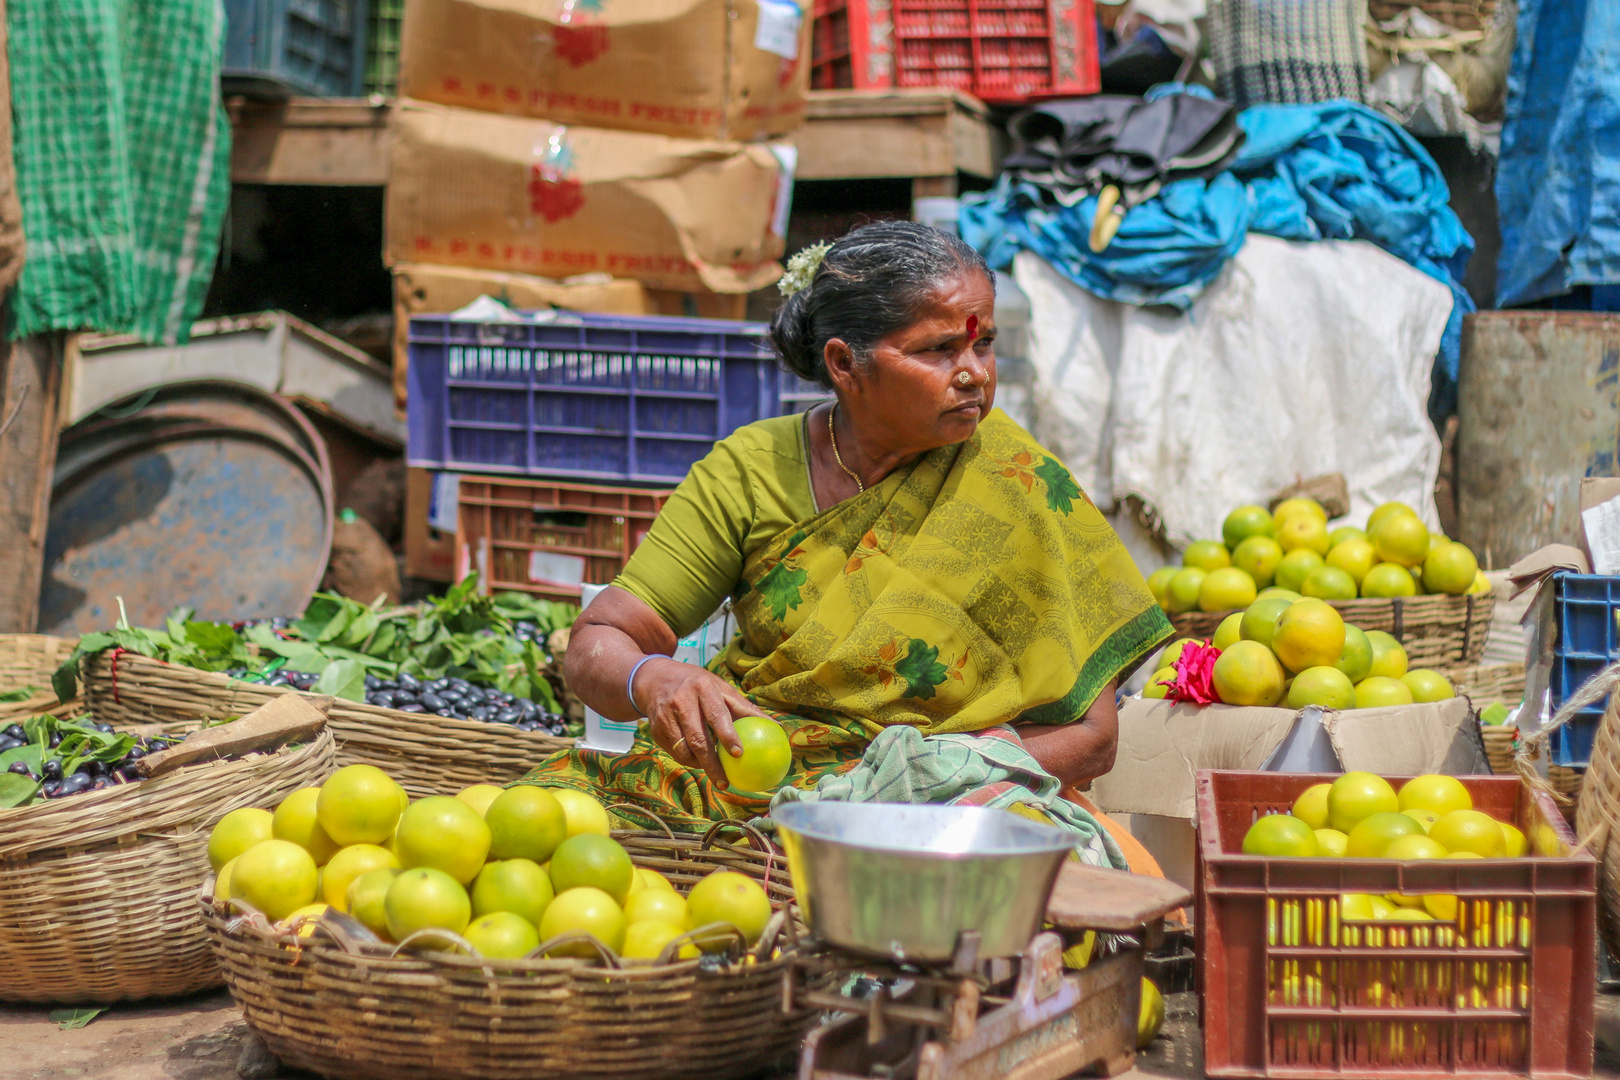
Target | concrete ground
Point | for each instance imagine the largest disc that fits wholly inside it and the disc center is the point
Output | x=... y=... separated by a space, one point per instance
x=204 y=1038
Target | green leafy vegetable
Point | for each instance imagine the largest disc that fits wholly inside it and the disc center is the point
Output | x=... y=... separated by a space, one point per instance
x=69 y=1019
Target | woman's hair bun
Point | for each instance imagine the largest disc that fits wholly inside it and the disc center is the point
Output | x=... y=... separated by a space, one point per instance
x=790 y=336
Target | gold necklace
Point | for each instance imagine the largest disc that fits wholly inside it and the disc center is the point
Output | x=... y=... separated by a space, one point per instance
x=859 y=487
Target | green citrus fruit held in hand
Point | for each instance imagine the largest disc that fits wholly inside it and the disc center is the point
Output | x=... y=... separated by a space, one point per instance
x=726 y=896
x=1244 y=523
x=347 y=865
x=590 y=910
x=359 y=804
x=501 y=935
x=525 y=822
x=595 y=862
x=1259 y=557
x=425 y=898
x=1206 y=555
x=1312 y=806
x=276 y=877
x=1248 y=674
x=1280 y=835
x=515 y=885
x=1358 y=795
x=766 y=756
x=365 y=896
x=1373 y=833
x=236 y=832
x=295 y=820
x=444 y=833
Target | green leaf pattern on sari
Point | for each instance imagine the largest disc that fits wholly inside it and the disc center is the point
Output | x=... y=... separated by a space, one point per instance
x=921 y=669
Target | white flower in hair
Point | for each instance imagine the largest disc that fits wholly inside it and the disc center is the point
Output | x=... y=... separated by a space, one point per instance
x=801 y=269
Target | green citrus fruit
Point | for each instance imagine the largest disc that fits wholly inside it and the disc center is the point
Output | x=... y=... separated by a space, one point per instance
x=515 y=885
x=1311 y=807
x=1427 y=686
x=1289 y=507
x=1225 y=590
x=295 y=820
x=1449 y=568
x=584 y=814
x=1206 y=555
x=443 y=833
x=236 y=832
x=276 y=877
x=358 y=804
x=1463 y=830
x=766 y=756
x=1425 y=818
x=1246 y=522
x=1355 y=659
x=1158 y=687
x=1355 y=556
x=1309 y=633
x=1248 y=674
x=1149 y=1015
x=1514 y=843
x=726 y=896
x=1258 y=556
x=1332 y=843
x=1400 y=538
x=1388 y=580
x=1295 y=567
x=1373 y=833
x=501 y=935
x=525 y=822
x=1159 y=581
x=1277 y=592
x=1259 y=622
x=592 y=861
x=1358 y=795
x=1414 y=846
x=1303 y=531
x=349 y=863
x=1378 y=692
x=1327 y=687
x=479 y=796
x=365 y=896
x=1343 y=533
x=1229 y=632
x=424 y=898
x=1388 y=655
x=1330 y=583
x=1386 y=510
x=587 y=909
x=661 y=904
x=1182 y=594
x=645 y=939
x=1280 y=835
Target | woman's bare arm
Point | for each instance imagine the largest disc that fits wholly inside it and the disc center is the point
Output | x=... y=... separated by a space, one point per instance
x=1080 y=752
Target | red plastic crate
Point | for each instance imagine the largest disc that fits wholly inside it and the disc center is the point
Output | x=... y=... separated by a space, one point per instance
x=1005 y=51
x=1287 y=989
x=546 y=537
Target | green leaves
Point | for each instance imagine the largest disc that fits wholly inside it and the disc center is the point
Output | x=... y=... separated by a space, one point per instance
x=343 y=678
x=68 y=1019
x=1061 y=490
x=16 y=790
x=81 y=742
x=921 y=669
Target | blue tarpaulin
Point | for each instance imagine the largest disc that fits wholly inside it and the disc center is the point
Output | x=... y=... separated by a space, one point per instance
x=1558 y=180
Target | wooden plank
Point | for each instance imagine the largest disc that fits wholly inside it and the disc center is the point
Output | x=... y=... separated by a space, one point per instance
x=28 y=427
x=1092 y=898
x=341 y=142
x=860 y=135
x=279 y=721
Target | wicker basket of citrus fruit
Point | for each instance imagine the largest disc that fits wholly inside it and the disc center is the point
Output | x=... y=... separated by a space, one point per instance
x=501 y=934
x=96 y=877
x=1394 y=576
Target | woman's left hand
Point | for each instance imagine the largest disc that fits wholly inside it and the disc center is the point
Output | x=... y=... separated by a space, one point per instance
x=1079 y=752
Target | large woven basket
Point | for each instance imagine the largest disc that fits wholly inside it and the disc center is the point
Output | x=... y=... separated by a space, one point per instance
x=31 y=660
x=1436 y=631
x=97 y=891
x=428 y=755
x=1597 y=813
x=358 y=1012
x=1499 y=747
x=1485 y=683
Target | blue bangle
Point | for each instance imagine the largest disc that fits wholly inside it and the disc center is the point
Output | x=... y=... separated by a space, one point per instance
x=630 y=683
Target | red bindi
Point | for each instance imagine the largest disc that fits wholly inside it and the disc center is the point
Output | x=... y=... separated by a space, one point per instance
x=972 y=327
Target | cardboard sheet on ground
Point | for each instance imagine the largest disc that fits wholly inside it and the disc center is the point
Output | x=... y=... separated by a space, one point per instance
x=1162 y=744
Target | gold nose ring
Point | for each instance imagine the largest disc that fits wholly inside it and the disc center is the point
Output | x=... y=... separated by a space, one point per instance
x=964 y=378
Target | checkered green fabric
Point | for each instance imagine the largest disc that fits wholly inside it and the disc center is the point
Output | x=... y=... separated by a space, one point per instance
x=122 y=151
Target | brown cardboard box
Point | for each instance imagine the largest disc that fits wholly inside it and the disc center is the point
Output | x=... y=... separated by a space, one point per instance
x=429 y=553
x=691 y=68
x=508 y=193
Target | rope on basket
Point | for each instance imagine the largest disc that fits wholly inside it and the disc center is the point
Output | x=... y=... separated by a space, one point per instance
x=118 y=650
x=1595 y=689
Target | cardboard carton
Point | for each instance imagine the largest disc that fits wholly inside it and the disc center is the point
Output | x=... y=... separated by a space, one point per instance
x=430 y=553
x=714 y=69
x=507 y=193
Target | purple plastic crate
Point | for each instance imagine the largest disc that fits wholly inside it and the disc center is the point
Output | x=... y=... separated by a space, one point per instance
x=615 y=398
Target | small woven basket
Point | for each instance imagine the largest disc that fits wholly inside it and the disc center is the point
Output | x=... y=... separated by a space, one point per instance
x=96 y=890
x=1499 y=747
x=31 y=660
x=428 y=755
x=1485 y=683
x=354 y=1011
x=1436 y=631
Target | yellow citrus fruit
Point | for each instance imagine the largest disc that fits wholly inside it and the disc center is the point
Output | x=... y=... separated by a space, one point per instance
x=515 y=885
x=1326 y=687
x=1277 y=592
x=1159 y=581
x=1149 y=1015
x=276 y=877
x=1258 y=556
x=1358 y=795
x=1547 y=843
x=1386 y=509
x=444 y=833
x=1226 y=589
x=1248 y=674
x=236 y=832
x=1229 y=632
x=1407 y=914
x=1372 y=834
x=666 y=905
x=365 y=896
x=1425 y=818
x=1206 y=555
x=1280 y=835
x=1442 y=906
x=1387 y=580
x=592 y=861
x=479 y=796
x=644 y=939
x=1379 y=692
x=424 y=898
x=1355 y=556
x=1400 y=538
x=358 y=804
x=1513 y=841
x=525 y=822
x=348 y=864
x=295 y=820
x=766 y=756
x=1303 y=531
x=1244 y=523
x=1159 y=685
x=1343 y=533
x=1331 y=843
x=1295 y=567
x=1312 y=806
x=726 y=896
x=1309 y=634
x=1355 y=659
x=1356 y=907
x=1289 y=507
x=1436 y=792
x=584 y=814
x=1388 y=655
x=1482 y=584
x=652 y=879
x=587 y=909
x=1416 y=845
x=1428 y=686
x=222 y=881
x=1260 y=620
x=501 y=935
x=1449 y=568
x=1469 y=830
x=1381 y=908
x=1172 y=652
x=1182 y=593
x=304 y=919
x=1330 y=583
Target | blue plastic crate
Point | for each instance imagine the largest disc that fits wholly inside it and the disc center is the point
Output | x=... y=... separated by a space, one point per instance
x=1584 y=608
x=278 y=48
x=615 y=398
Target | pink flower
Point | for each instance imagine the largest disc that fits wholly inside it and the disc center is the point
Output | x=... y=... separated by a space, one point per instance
x=1195 y=674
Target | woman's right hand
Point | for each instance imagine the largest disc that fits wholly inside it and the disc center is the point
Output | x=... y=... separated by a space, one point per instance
x=690 y=712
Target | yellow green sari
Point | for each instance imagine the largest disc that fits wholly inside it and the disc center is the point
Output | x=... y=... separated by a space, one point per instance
x=977 y=587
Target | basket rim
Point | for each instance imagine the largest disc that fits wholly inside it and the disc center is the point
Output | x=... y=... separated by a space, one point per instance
x=1427 y=600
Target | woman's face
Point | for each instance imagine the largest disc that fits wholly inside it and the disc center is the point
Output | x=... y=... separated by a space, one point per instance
x=911 y=397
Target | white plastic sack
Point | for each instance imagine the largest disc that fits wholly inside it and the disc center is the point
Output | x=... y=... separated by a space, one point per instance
x=1300 y=359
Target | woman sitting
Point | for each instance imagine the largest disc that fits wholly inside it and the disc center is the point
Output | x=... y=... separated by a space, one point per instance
x=926 y=601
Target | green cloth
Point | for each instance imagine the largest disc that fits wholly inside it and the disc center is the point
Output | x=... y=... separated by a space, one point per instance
x=753 y=486
x=122 y=151
x=988 y=768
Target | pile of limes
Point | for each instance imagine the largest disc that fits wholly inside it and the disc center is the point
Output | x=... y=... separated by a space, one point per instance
x=1395 y=555
x=1361 y=816
x=504 y=869
x=1289 y=649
